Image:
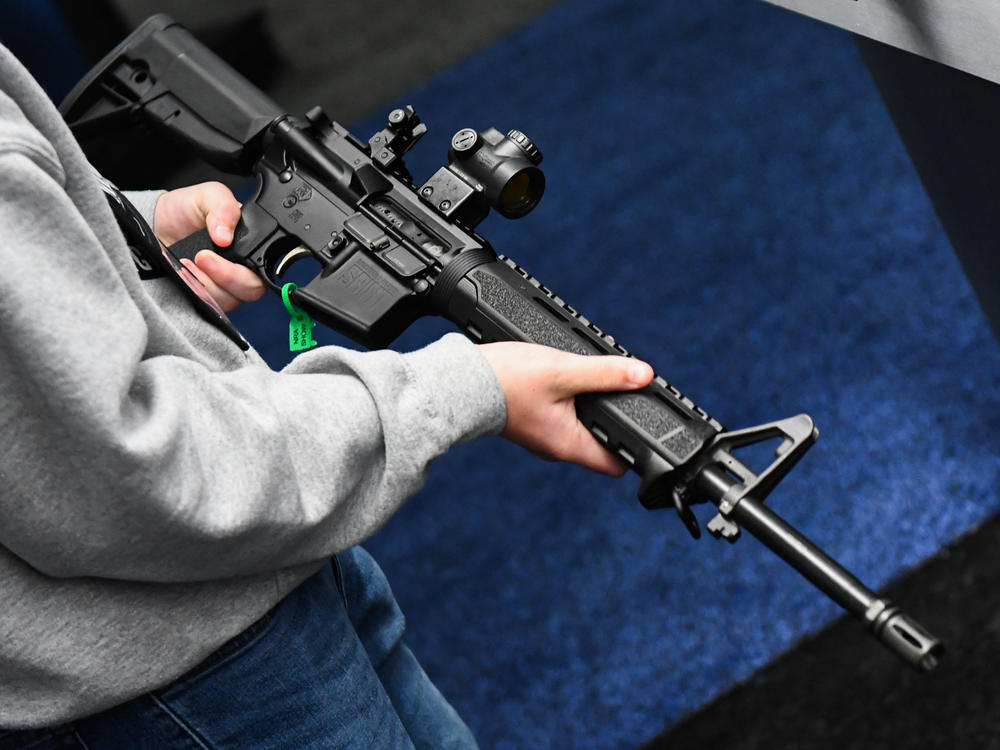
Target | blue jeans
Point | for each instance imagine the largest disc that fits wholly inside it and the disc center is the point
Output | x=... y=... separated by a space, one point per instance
x=314 y=673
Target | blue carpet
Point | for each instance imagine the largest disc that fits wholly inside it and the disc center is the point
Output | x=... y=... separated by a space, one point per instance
x=729 y=198
x=34 y=31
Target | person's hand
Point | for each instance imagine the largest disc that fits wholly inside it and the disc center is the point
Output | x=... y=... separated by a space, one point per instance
x=540 y=384
x=211 y=206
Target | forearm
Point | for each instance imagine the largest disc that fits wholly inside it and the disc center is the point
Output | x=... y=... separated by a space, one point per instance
x=220 y=474
x=161 y=462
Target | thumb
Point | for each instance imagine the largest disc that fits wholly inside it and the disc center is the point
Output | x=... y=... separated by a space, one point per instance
x=597 y=373
x=221 y=211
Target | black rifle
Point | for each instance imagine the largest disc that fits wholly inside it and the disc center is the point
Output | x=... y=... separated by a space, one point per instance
x=390 y=252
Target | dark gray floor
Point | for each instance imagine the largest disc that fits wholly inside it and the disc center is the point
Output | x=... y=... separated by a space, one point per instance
x=351 y=56
x=837 y=691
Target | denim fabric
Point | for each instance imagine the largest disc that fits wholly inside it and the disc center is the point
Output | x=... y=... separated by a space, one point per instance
x=313 y=674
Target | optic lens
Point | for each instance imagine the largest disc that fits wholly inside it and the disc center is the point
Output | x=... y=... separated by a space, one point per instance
x=521 y=192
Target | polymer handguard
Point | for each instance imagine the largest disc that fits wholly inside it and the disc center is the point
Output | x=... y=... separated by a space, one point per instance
x=389 y=251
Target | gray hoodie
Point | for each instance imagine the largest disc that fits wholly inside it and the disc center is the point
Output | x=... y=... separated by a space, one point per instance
x=161 y=488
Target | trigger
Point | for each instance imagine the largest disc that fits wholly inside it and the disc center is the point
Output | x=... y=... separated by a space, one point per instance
x=297 y=253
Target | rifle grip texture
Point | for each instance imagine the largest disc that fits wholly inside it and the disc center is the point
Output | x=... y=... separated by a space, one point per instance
x=655 y=430
x=190 y=246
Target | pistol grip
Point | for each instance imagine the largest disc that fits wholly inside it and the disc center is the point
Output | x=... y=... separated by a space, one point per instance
x=190 y=246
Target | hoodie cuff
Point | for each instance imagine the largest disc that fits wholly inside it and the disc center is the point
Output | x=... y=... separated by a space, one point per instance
x=144 y=201
x=466 y=393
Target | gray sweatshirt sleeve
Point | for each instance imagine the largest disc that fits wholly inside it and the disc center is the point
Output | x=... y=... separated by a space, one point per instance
x=144 y=201
x=137 y=443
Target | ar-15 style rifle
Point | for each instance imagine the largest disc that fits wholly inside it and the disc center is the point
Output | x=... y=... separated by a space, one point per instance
x=390 y=251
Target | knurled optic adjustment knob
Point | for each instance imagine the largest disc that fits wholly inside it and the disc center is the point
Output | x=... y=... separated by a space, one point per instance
x=527 y=146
